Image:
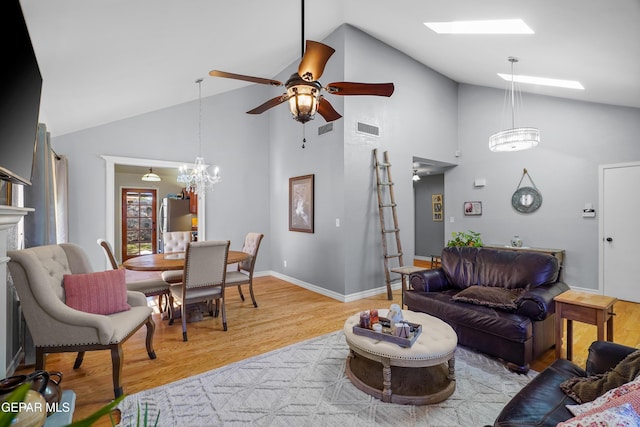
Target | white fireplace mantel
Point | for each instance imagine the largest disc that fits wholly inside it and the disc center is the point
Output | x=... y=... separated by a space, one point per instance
x=9 y=217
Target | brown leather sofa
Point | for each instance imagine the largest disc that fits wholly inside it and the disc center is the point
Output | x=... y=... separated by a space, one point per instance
x=498 y=301
x=542 y=403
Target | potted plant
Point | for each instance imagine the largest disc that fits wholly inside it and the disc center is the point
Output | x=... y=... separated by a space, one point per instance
x=465 y=238
x=7 y=418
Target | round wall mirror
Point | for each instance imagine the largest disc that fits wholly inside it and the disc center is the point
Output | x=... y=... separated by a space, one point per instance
x=526 y=199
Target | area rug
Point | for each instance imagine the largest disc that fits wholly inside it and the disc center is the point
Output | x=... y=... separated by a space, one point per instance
x=305 y=385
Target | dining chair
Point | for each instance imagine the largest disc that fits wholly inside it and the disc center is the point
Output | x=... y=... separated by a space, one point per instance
x=205 y=269
x=69 y=308
x=175 y=241
x=244 y=273
x=149 y=286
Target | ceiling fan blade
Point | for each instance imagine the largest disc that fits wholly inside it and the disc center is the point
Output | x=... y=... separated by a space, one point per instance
x=315 y=58
x=350 y=88
x=269 y=104
x=216 y=73
x=326 y=110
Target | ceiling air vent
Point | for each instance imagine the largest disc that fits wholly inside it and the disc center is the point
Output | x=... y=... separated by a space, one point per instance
x=325 y=129
x=368 y=129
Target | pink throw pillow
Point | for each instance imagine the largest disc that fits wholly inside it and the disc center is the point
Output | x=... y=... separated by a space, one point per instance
x=104 y=292
x=612 y=394
x=632 y=398
x=618 y=416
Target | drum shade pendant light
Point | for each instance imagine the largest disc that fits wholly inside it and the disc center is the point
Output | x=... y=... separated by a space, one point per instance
x=514 y=139
x=198 y=180
x=151 y=176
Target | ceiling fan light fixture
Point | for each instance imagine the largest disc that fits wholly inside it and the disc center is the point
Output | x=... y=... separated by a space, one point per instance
x=303 y=87
x=303 y=102
x=303 y=98
x=415 y=176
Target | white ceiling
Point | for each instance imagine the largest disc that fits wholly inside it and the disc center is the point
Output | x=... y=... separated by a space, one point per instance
x=104 y=60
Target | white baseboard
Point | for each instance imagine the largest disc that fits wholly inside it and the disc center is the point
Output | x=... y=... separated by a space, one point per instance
x=331 y=294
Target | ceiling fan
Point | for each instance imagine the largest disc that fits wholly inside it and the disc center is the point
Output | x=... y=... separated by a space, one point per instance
x=303 y=90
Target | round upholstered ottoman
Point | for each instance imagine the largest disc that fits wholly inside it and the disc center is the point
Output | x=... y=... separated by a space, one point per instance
x=416 y=375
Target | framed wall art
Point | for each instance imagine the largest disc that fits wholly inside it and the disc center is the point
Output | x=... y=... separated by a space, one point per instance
x=436 y=204
x=472 y=208
x=301 y=203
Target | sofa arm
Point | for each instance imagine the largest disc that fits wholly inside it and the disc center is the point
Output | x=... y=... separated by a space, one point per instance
x=604 y=355
x=537 y=303
x=429 y=280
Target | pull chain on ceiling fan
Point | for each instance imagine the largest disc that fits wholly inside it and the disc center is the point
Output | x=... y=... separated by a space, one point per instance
x=304 y=91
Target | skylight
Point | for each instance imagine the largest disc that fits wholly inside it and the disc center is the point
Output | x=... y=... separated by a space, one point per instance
x=569 y=84
x=495 y=26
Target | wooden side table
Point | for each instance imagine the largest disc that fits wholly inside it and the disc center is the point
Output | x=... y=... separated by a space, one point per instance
x=405 y=272
x=583 y=307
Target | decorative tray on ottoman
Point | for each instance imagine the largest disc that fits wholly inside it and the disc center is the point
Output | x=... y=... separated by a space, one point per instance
x=386 y=334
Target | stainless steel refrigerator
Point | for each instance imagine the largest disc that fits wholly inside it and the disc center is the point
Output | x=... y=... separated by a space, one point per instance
x=174 y=215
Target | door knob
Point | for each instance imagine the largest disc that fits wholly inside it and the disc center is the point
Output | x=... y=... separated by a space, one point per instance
x=609 y=239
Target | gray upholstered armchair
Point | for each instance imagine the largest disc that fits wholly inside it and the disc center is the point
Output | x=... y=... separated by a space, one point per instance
x=38 y=275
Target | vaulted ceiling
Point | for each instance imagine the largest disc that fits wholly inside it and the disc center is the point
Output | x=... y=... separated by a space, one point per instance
x=104 y=60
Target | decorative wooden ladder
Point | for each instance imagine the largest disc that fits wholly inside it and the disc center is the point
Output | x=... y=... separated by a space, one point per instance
x=383 y=182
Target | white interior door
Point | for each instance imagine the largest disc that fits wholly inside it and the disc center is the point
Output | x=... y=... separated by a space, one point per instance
x=620 y=231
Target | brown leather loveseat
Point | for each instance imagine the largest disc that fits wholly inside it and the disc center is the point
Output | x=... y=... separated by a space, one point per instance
x=498 y=301
x=542 y=403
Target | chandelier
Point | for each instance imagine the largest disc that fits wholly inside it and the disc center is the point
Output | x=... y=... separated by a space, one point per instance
x=198 y=180
x=514 y=139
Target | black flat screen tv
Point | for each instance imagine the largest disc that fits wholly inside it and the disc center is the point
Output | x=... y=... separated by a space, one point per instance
x=20 y=91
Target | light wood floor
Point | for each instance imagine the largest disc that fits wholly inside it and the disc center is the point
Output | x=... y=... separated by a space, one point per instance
x=287 y=314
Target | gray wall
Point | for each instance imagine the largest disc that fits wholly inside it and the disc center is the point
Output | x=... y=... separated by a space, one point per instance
x=317 y=258
x=236 y=142
x=418 y=120
x=576 y=137
x=429 y=234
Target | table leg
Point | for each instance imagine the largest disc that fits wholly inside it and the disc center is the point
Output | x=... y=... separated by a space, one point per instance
x=386 y=380
x=610 y=327
x=452 y=369
x=600 y=319
x=569 y=339
x=558 y=330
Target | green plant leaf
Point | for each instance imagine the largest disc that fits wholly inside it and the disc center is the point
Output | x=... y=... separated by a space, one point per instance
x=468 y=238
x=17 y=395
x=91 y=419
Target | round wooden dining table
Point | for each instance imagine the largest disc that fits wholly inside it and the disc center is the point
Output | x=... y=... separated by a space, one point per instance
x=171 y=261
